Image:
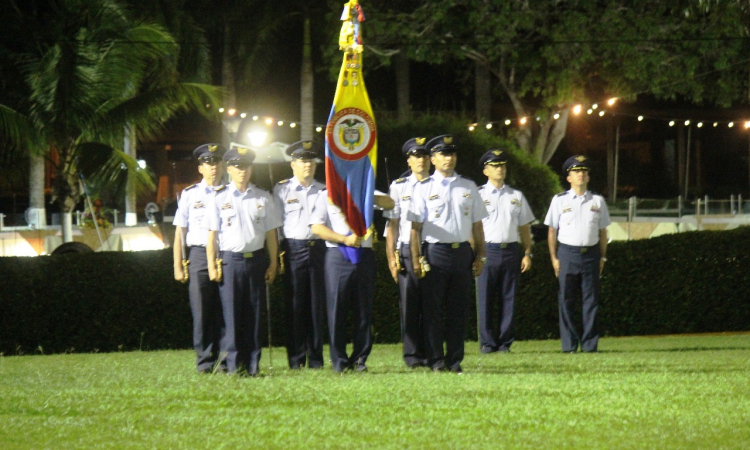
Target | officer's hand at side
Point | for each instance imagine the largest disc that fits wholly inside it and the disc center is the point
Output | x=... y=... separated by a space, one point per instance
x=213 y=274
x=179 y=274
x=271 y=273
x=556 y=266
x=525 y=264
x=418 y=270
x=352 y=241
x=601 y=266
x=393 y=266
x=476 y=267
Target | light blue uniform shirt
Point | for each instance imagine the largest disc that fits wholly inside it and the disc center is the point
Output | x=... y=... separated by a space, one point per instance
x=447 y=208
x=296 y=202
x=507 y=209
x=578 y=219
x=242 y=219
x=192 y=213
x=401 y=192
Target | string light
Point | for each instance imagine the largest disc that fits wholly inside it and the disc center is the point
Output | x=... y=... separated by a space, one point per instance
x=471 y=127
x=731 y=124
x=243 y=115
x=671 y=123
x=577 y=109
x=232 y=111
x=687 y=122
x=699 y=125
x=601 y=113
x=556 y=116
x=611 y=101
x=589 y=111
x=640 y=118
x=523 y=121
x=507 y=121
x=594 y=106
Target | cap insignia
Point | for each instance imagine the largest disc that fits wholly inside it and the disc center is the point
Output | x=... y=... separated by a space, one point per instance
x=241 y=151
x=580 y=158
x=497 y=152
x=213 y=148
x=448 y=140
x=307 y=145
x=420 y=141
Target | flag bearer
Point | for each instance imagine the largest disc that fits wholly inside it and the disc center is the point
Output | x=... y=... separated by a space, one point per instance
x=350 y=282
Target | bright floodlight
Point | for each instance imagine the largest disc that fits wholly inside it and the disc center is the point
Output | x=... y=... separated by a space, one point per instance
x=257 y=138
x=577 y=109
x=747 y=124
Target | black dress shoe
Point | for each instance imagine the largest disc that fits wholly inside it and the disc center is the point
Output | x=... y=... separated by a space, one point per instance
x=488 y=349
x=439 y=367
x=503 y=350
x=361 y=367
x=457 y=369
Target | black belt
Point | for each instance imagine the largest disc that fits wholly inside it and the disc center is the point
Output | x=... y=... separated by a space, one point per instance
x=245 y=255
x=576 y=249
x=450 y=244
x=305 y=242
x=501 y=245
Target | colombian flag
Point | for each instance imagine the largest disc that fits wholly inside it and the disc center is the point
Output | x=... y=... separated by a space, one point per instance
x=351 y=135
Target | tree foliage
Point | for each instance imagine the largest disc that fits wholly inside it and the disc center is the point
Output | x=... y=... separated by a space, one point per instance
x=548 y=55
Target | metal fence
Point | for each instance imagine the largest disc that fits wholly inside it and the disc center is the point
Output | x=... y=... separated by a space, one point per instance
x=635 y=207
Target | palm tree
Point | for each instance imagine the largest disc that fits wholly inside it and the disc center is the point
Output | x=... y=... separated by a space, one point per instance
x=89 y=73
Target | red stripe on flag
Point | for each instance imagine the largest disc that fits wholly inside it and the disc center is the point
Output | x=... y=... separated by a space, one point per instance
x=339 y=194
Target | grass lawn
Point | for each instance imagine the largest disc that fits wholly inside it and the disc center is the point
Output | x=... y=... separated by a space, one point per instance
x=673 y=392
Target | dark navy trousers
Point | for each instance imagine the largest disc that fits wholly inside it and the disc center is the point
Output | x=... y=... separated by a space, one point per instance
x=578 y=277
x=447 y=285
x=305 y=298
x=498 y=279
x=349 y=289
x=412 y=334
x=243 y=291
x=206 y=308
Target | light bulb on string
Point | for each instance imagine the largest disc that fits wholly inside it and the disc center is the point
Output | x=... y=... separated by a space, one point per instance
x=243 y=115
x=292 y=125
x=731 y=124
x=716 y=124
x=471 y=127
x=601 y=113
x=523 y=121
x=589 y=111
x=231 y=111
x=556 y=116
x=687 y=123
x=577 y=109
x=221 y=110
x=507 y=121
x=699 y=124
x=255 y=117
x=640 y=118
x=318 y=129
x=488 y=126
x=671 y=123
x=594 y=106
x=612 y=101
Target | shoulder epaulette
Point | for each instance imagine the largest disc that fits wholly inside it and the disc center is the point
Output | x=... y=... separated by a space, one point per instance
x=284 y=181
x=400 y=180
x=190 y=187
x=220 y=188
x=426 y=180
x=561 y=194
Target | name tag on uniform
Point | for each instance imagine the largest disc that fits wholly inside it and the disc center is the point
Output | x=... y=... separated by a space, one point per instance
x=567 y=209
x=406 y=197
x=292 y=200
x=227 y=206
x=198 y=205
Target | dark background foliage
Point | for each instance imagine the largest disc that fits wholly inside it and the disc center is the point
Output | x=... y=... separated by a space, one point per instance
x=693 y=282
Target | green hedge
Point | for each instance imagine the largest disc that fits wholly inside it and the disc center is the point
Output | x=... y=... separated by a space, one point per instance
x=687 y=283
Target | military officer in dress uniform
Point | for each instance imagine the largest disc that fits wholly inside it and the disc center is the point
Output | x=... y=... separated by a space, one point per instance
x=399 y=254
x=446 y=211
x=242 y=218
x=577 y=239
x=349 y=286
x=304 y=256
x=191 y=234
x=509 y=217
